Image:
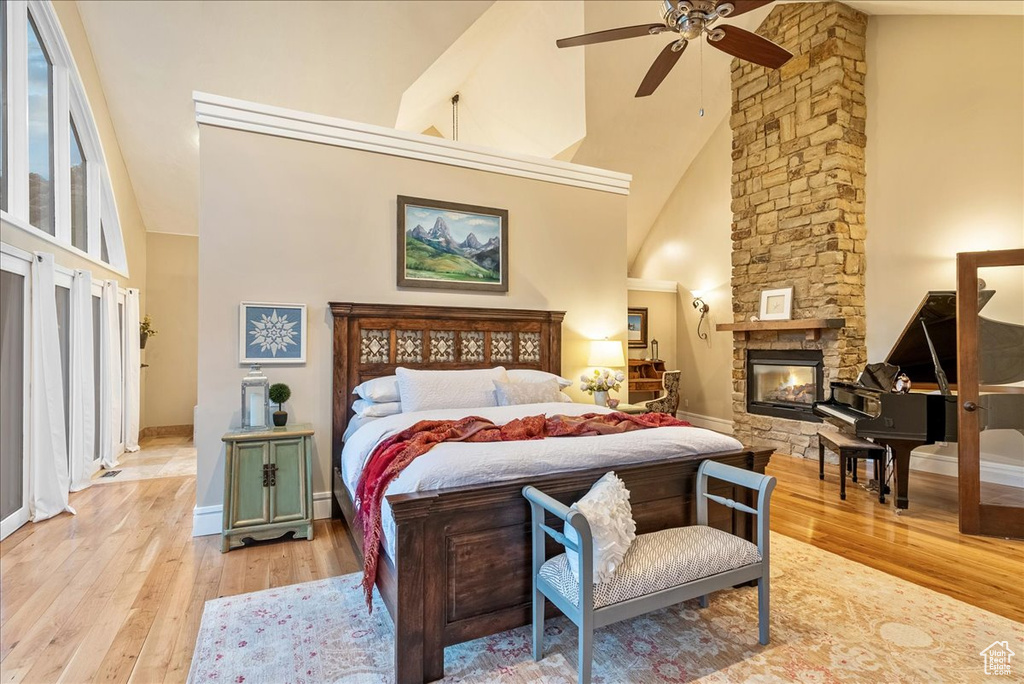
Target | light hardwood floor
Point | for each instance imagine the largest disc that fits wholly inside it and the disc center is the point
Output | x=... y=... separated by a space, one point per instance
x=115 y=594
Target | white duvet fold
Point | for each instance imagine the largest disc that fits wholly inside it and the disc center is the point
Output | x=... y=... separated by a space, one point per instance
x=455 y=464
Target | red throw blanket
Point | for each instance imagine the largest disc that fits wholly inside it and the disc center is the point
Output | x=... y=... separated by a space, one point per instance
x=395 y=453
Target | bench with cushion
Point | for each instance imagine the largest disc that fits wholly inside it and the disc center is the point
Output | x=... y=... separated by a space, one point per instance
x=659 y=569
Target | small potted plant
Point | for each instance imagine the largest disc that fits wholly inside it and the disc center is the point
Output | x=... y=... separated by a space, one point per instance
x=146 y=331
x=280 y=393
x=600 y=382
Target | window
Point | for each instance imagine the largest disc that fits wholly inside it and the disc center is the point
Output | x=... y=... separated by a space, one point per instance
x=13 y=393
x=96 y=374
x=54 y=182
x=63 y=296
x=104 y=252
x=79 y=194
x=40 y=134
x=3 y=106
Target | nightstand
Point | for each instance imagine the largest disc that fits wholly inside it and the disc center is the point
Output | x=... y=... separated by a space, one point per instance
x=268 y=487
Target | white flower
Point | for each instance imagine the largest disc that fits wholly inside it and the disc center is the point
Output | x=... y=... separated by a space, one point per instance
x=620 y=376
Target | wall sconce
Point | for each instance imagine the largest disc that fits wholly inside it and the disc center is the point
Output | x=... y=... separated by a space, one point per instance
x=703 y=308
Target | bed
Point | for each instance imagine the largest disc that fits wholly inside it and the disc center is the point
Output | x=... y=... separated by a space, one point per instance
x=446 y=546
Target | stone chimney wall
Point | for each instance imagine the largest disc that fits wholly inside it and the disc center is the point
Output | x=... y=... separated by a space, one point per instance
x=798 y=199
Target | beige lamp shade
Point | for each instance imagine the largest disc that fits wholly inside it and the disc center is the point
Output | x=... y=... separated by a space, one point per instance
x=606 y=354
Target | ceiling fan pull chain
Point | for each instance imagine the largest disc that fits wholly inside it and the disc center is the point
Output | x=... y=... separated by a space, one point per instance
x=702 y=79
x=455 y=117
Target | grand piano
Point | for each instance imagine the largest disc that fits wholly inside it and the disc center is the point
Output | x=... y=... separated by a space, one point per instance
x=926 y=352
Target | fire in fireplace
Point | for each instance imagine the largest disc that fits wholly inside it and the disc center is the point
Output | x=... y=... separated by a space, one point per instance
x=784 y=383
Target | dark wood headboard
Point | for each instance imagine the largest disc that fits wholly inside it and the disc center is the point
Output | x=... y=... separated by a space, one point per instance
x=371 y=340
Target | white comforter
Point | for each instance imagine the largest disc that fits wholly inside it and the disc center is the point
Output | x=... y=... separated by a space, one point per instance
x=453 y=464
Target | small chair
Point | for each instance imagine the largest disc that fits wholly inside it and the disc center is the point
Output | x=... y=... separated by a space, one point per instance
x=850 y=449
x=660 y=569
x=669 y=401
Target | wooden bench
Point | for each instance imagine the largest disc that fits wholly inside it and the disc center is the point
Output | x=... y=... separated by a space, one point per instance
x=851 y=448
x=660 y=568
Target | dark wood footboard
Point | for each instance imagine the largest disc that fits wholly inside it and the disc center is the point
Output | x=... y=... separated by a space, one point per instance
x=462 y=566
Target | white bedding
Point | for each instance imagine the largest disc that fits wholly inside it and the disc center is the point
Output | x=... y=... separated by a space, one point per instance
x=455 y=464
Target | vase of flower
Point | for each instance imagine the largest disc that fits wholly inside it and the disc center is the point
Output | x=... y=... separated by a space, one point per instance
x=600 y=382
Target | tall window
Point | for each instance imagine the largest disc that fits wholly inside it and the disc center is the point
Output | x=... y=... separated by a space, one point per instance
x=40 y=134
x=63 y=297
x=12 y=394
x=96 y=376
x=54 y=182
x=79 y=194
x=3 y=106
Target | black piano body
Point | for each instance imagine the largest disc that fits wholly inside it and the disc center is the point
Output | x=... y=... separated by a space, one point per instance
x=902 y=422
x=926 y=351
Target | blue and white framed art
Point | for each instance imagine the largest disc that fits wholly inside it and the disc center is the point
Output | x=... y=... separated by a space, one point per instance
x=271 y=333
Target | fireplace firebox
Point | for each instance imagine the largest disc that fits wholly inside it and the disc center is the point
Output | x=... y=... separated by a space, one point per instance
x=784 y=383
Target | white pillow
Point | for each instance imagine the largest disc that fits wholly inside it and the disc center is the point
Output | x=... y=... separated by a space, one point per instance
x=514 y=393
x=370 y=409
x=379 y=390
x=528 y=375
x=606 y=507
x=423 y=390
x=564 y=398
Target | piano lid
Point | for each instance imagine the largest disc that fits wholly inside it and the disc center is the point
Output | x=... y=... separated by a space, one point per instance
x=911 y=353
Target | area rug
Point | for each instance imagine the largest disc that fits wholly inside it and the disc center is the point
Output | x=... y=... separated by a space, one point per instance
x=833 y=620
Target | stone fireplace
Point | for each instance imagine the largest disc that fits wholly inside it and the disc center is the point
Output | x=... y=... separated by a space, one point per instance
x=798 y=204
x=784 y=383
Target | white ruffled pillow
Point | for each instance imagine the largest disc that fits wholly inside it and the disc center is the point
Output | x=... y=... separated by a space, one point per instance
x=379 y=390
x=606 y=507
x=515 y=393
x=529 y=375
x=423 y=390
x=372 y=409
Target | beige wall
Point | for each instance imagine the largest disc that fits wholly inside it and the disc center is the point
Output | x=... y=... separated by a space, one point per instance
x=298 y=222
x=691 y=244
x=173 y=303
x=945 y=156
x=661 y=326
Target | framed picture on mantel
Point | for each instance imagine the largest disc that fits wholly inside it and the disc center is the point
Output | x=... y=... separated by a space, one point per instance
x=776 y=305
x=449 y=246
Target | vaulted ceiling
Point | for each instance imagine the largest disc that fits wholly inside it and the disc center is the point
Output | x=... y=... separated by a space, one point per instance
x=381 y=63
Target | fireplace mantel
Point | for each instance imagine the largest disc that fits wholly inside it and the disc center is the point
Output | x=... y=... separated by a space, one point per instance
x=812 y=327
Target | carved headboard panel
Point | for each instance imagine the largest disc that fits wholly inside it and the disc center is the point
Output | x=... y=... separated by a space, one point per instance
x=371 y=340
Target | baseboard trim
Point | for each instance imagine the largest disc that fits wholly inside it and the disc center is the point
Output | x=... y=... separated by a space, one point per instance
x=708 y=422
x=167 y=431
x=207 y=520
x=942 y=464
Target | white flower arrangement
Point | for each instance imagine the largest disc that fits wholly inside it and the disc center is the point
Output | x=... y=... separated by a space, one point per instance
x=601 y=380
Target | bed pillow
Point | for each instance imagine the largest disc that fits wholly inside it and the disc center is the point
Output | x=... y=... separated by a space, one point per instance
x=527 y=375
x=379 y=390
x=606 y=507
x=423 y=390
x=372 y=409
x=514 y=393
x=564 y=398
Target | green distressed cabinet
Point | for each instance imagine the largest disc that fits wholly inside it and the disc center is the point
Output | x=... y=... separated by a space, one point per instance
x=268 y=487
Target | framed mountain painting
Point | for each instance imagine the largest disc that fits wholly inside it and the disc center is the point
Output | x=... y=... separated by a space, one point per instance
x=449 y=246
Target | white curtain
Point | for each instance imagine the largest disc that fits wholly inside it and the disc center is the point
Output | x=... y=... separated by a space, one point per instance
x=83 y=437
x=133 y=361
x=110 y=377
x=48 y=470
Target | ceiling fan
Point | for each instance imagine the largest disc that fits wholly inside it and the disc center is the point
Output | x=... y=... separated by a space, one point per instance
x=690 y=19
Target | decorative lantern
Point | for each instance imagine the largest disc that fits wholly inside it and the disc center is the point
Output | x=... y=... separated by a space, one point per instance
x=654 y=350
x=255 y=399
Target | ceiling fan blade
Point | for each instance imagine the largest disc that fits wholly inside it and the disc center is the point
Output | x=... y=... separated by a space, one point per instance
x=610 y=34
x=751 y=47
x=744 y=6
x=659 y=70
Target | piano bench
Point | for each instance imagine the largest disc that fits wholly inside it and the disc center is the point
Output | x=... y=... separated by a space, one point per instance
x=852 y=448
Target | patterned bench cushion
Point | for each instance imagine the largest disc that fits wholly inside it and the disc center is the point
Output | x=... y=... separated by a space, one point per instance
x=659 y=560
